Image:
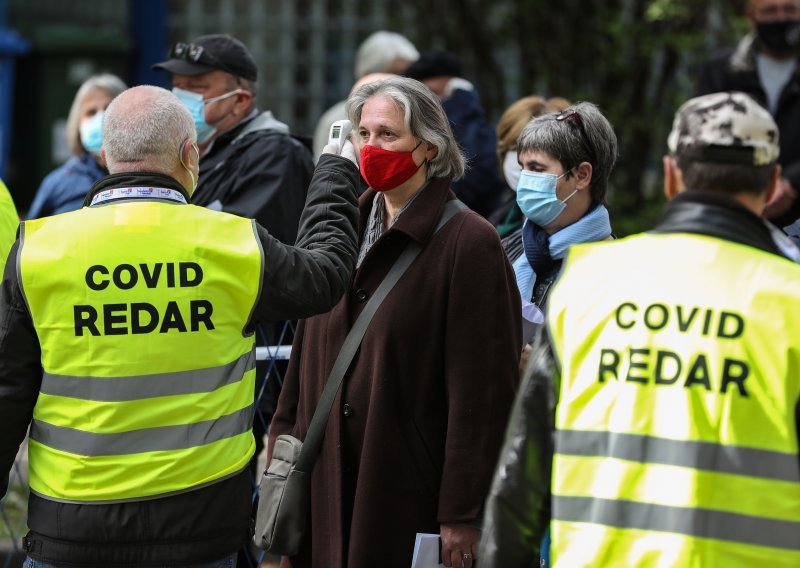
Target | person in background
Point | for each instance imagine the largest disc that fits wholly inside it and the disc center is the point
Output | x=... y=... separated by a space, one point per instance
x=482 y=186
x=65 y=188
x=127 y=348
x=508 y=218
x=250 y=165
x=413 y=435
x=764 y=65
x=9 y=221
x=674 y=375
x=381 y=52
x=567 y=158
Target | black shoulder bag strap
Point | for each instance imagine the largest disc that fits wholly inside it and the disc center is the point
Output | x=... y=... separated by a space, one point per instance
x=316 y=430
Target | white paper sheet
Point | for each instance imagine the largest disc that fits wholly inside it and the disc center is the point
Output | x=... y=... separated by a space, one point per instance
x=426 y=551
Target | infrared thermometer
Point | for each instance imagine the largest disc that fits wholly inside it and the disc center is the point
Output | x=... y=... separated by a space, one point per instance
x=340 y=131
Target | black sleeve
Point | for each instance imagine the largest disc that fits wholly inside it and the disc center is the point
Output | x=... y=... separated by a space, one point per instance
x=309 y=278
x=271 y=183
x=518 y=506
x=20 y=367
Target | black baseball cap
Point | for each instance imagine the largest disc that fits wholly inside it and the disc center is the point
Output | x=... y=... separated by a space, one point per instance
x=209 y=53
x=435 y=63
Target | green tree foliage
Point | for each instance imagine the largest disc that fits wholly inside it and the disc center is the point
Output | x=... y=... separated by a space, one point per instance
x=636 y=59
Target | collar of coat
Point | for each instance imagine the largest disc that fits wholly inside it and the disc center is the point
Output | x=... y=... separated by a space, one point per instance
x=743 y=58
x=717 y=215
x=420 y=219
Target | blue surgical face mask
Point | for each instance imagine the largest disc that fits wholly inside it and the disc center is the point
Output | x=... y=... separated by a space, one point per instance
x=194 y=102
x=92 y=133
x=537 y=198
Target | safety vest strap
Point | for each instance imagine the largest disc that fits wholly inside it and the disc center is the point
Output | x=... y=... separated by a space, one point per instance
x=689 y=521
x=160 y=438
x=709 y=456
x=121 y=389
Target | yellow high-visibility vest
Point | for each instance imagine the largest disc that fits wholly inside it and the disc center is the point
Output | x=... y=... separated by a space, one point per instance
x=9 y=221
x=676 y=442
x=148 y=385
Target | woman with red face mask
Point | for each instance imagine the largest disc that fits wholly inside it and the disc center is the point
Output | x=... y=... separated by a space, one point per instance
x=416 y=425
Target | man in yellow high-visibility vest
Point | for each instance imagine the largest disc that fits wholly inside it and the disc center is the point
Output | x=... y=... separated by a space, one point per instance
x=127 y=345
x=674 y=373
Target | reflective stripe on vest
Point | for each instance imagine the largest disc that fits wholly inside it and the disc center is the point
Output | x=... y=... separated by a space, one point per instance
x=149 y=375
x=676 y=442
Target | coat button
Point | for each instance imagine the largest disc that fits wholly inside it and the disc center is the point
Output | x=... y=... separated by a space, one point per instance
x=361 y=295
x=347 y=410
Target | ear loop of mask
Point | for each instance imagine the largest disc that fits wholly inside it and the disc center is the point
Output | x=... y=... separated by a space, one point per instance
x=180 y=159
x=424 y=158
x=568 y=197
x=223 y=96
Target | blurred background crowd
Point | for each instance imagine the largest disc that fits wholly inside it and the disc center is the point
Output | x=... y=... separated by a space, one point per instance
x=637 y=59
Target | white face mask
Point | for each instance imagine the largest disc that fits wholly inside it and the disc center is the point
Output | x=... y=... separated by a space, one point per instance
x=511 y=169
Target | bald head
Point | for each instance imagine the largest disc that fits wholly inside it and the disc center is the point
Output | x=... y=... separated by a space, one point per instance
x=145 y=129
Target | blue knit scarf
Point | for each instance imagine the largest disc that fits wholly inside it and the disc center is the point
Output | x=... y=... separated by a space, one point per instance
x=542 y=249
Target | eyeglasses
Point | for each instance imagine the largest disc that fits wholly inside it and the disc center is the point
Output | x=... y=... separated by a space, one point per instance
x=576 y=118
x=198 y=54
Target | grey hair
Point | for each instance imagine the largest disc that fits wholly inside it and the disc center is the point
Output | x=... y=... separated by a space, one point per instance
x=106 y=81
x=378 y=51
x=148 y=135
x=588 y=137
x=423 y=116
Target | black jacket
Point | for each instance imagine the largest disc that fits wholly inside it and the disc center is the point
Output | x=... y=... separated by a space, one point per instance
x=518 y=506
x=204 y=524
x=734 y=69
x=257 y=170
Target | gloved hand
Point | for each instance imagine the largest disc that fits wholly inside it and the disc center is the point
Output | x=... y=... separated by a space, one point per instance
x=345 y=150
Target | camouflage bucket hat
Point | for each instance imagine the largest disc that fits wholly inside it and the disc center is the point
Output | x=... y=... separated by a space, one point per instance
x=725 y=128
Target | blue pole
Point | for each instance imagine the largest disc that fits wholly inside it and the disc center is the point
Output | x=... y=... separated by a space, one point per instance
x=11 y=45
x=150 y=35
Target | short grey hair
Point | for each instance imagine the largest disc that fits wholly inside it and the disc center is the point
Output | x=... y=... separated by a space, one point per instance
x=106 y=81
x=571 y=139
x=423 y=115
x=378 y=51
x=148 y=135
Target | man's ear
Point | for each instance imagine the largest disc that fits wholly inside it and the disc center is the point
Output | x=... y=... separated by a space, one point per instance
x=749 y=14
x=187 y=153
x=773 y=183
x=673 y=177
x=244 y=100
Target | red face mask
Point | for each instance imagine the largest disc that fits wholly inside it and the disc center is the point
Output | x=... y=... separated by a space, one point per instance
x=385 y=169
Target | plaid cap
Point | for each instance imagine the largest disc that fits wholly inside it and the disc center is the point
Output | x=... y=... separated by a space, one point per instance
x=208 y=53
x=724 y=128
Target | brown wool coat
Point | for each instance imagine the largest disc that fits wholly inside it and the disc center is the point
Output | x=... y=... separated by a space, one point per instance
x=414 y=433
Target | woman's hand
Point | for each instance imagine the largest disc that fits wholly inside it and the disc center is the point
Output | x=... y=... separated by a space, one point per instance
x=523 y=358
x=459 y=545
